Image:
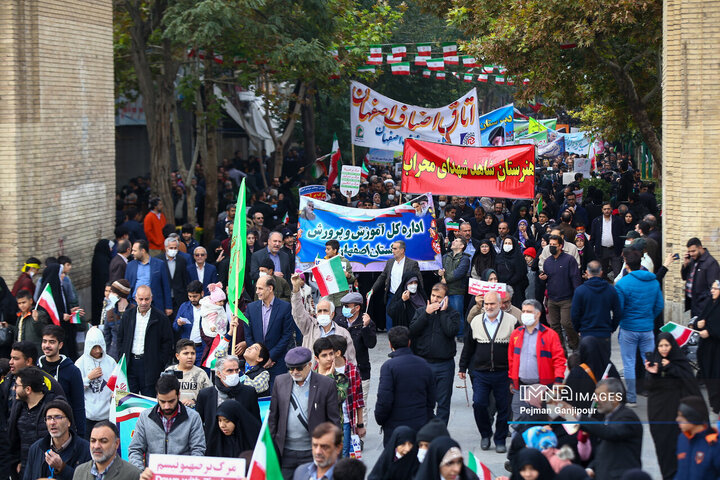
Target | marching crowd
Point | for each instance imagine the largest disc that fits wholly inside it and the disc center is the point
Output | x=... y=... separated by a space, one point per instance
x=577 y=265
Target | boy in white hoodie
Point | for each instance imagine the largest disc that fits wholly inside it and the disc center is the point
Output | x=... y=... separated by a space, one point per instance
x=96 y=366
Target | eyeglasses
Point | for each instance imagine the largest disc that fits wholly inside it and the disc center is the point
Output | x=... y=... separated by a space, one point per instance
x=201 y=254
x=54 y=418
x=296 y=369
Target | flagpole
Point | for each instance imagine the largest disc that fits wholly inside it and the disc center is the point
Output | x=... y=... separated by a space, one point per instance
x=352 y=149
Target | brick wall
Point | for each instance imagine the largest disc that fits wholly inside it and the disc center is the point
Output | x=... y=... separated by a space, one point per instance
x=57 y=171
x=691 y=133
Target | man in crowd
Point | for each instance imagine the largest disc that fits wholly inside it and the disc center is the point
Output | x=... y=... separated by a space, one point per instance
x=605 y=239
x=227 y=387
x=578 y=213
x=562 y=277
x=105 y=461
x=300 y=401
x=119 y=262
x=270 y=323
x=699 y=270
x=57 y=454
x=177 y=272
x=326 y=448
x=432 y=332
x=258 y=219
x=27 y=272
x=279 y=258
x=406 y=392
x=485 y=354
x=202 y=271
x=698 y=451
x=503 y=233
x=396 y=273
x=595 y=307
x=651 y=246
x=471 y=245
x=146 y=339
x=641 y=300
x=289 y=243
x=153 y=225
x=66 y=373
x=282 y=287
x=149 y=271
x=187 y=321
x=332 y=247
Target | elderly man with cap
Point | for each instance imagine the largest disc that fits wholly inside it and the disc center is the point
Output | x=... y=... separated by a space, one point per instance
x=363 y=333
x=697 y=445
x=300 y=402
x=321 y=325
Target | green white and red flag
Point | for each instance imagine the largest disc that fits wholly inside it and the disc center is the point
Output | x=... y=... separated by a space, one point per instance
x=218 y=345
x=366 y=69
x=335 y=162
x=452 y=226
x=424 y=49
x=47 y=302
x=452 y=60
x=118 y=378
x=483 y=77
x=374 y=60
x=75 y=318
x=422 y=61
x=682 y=334
x=398 y=50
x=450 y=49
x=499 y=79
x=469 y=61
x=330 y=276
x=479 y=468
x=488 y=68
x=468 y=77
x=391 y=59
x=427 y=73
x=376 y=51
x=402 y=68
x=264 y=464
x=440 y=75
x=436 y=64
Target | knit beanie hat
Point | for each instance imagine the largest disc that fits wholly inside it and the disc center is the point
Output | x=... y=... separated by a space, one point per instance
x=694 y=410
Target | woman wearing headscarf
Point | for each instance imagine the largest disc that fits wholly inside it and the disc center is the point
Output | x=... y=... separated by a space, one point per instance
x=629 y=222
x=99 y=276
x=399 y=460
x=708 y=352
x=585 y=251
x=512 y=270
x=444 y=461
x=234 y=431
x=524 y=235
x=52 y=276
x=671 y=379
x=520 y=212
x=483 y=259
x=402 y=307
x=531 y=463
x=572 y=472
x=488 y=226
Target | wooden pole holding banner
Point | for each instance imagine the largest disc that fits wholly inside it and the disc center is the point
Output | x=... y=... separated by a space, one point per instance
x=352 y=150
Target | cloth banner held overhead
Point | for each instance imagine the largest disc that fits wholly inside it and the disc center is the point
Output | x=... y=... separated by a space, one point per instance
x=313 y=191
x=366 y=236
x=522 y=126
x=380 y=122
x=577 y=143
x=506 y=172
x=497 y=127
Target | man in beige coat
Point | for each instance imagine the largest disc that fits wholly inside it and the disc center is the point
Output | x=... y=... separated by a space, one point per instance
x=104 y=444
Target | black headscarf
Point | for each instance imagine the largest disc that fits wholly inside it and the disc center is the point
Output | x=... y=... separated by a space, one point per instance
x=482 y=262
x=530 y=456
x=418 y=299
x=681 y=367
x=99 y=276
x=430 y=467
x=635 y=474
x=247 y=429
x=51 y=275
x=572 y=472
x=485 y=275
x=388 y=467
x=484 y=229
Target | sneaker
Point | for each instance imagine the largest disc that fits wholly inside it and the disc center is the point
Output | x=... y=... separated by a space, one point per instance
x=631 y=404
x=500 y=449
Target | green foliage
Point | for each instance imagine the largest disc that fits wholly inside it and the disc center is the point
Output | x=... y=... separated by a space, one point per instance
x=599 y=184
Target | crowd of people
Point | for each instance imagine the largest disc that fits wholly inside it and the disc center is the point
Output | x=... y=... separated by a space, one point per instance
x=578 y=264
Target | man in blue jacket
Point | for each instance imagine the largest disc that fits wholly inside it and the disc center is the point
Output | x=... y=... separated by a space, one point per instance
x=406 y=393
x=698 y=457
x=187 y=321
x=640 y=302
x=592 y=305
x=150 y=271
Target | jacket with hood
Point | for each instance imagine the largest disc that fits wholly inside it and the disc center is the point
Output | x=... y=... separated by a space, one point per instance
x=640 y=300
x=70 y=379
x=591 y=306
x=75 y=454
x=97 y=396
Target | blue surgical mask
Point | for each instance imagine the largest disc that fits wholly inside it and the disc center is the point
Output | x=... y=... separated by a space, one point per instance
x=347 y=312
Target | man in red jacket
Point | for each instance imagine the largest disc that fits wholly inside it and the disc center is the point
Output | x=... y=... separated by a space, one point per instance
x=153 y=225
x=535 y=354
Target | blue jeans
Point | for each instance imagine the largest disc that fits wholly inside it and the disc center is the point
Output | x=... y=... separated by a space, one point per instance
x=456 y=302
x=498 y=383
x=444 y=373
x=388 y=319
x=629 y=341
x=346 y=440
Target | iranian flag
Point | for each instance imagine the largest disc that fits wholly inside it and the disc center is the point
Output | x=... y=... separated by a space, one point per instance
x=376 y=51
x=330 y=276
x=435 y=64
x=365 y=172
x=511 y=80
x=502 y=70
x=218 y=344
x=426 y=73
x=469 y=61
x=335 y=163
x=488 y=68
x=264 y=464
x=681 y=334
x=366 y=69
x=402 y=68
x=483 y=77
x=452 y=226
x=499 y=79
x=479 y=468
x=449 y=49
x=526 y=81
x=424 y=49
x=374 y=60
x=452 y=60
x=47 y=302
x=420 y=60
x=318 y=168
x=440 y=75
x=118 y=378
x=468 y=77
x=391 y=59
x=399 y=50
x=75 y=318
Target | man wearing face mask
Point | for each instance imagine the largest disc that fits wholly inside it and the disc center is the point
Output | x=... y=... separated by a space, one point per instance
x=319 y=326
x=227 y=387
x=177 y=272
x=485 y=354
x=535 y=354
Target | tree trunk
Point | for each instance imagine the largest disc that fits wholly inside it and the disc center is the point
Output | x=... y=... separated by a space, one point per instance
x=159 y=136
x=308 y=119
x=210 y=165
x=185 y=172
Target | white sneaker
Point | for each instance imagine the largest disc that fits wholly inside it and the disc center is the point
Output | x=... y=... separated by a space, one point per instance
x=631 y=404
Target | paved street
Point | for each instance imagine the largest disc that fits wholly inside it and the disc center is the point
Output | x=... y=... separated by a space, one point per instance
x=462 y=423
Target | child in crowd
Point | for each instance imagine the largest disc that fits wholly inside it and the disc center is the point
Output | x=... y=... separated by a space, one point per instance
x=192 y=379
x=256 y=376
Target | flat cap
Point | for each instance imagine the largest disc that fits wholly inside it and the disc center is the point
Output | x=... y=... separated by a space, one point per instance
x=298 y=356
x=352 y=297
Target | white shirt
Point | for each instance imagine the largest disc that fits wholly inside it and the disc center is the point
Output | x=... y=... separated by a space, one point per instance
x=141 y=321
x=171 y=266
x=396 y=275
x=195 y=330
x=492 y=325
x=200 y=272
x=607 y=239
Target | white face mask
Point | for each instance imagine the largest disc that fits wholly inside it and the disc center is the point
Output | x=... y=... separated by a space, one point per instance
x=412 y=288
x=391 y=197
x=171 y=252
x=111 y=301
x=262 y=274
x=323 y=320
x=527 y=319
x=227 y=231
x=421 y=454
x=232 y=380
x=31 y=274
x=442 y=204
x=507 y=248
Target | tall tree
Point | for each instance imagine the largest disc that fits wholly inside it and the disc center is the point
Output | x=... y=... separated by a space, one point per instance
x=611 y=74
